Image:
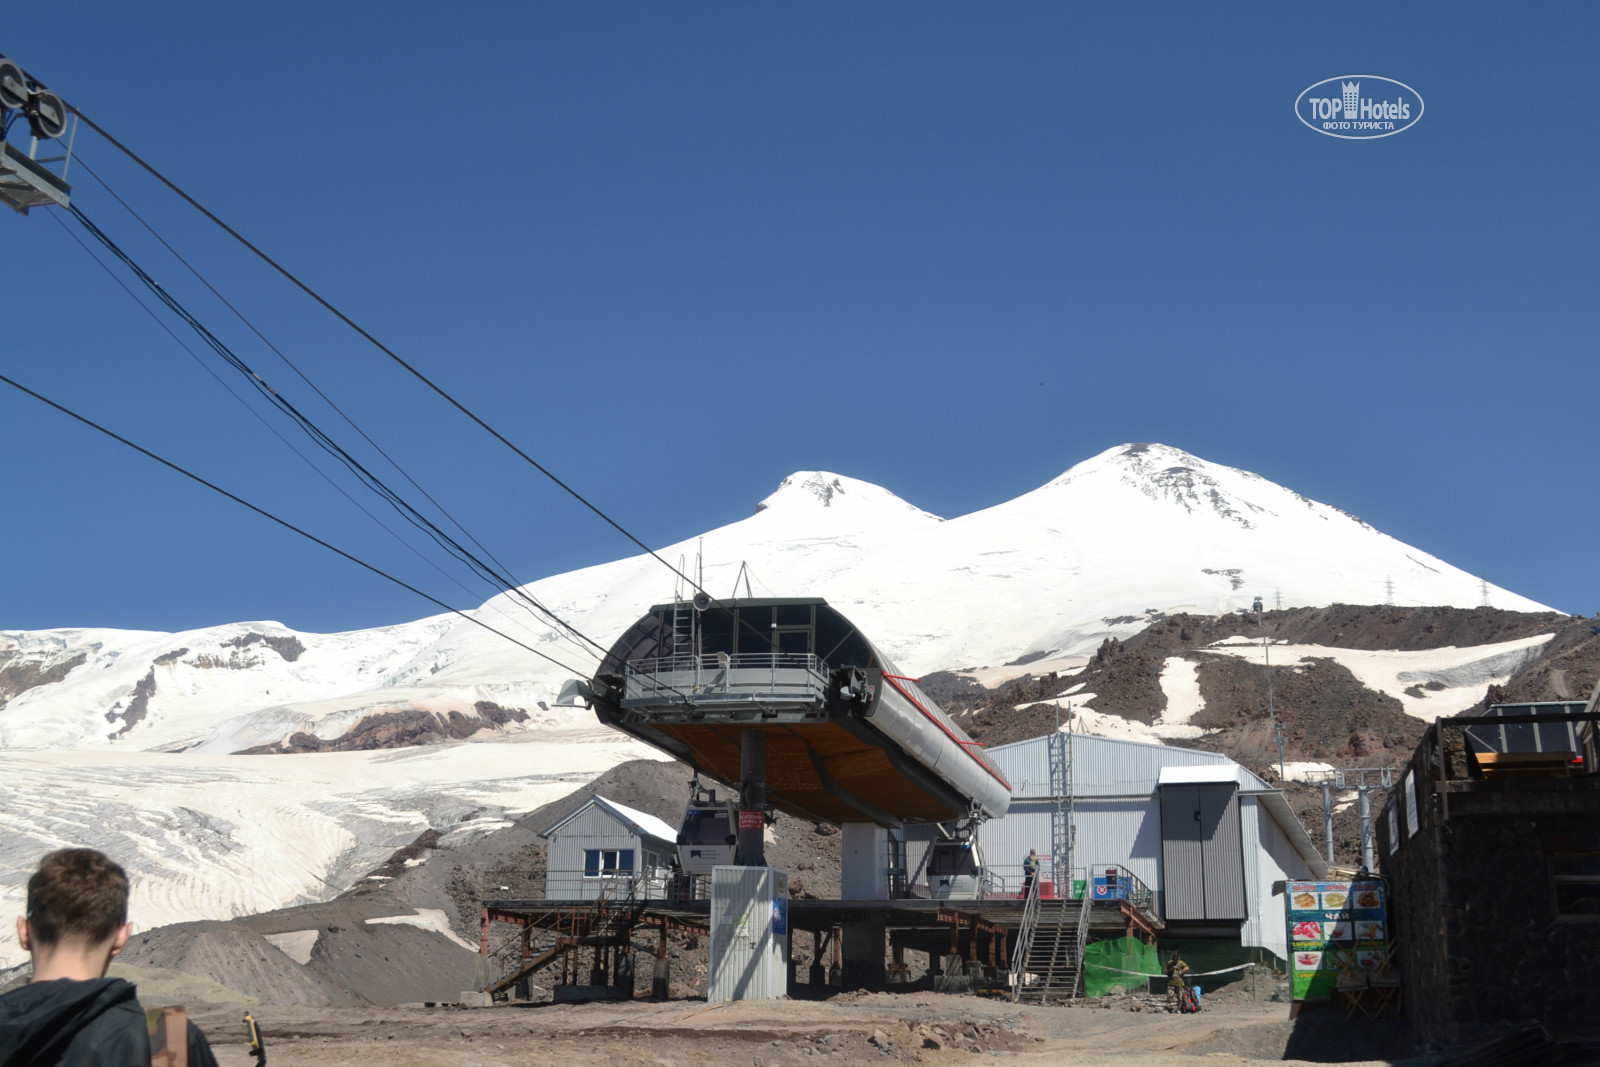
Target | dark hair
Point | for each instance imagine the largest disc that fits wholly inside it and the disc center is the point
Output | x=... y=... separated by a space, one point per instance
x=77 y=894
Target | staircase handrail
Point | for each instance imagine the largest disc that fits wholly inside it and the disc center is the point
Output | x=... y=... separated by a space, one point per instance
x=1024 y=942
x=1085 y=909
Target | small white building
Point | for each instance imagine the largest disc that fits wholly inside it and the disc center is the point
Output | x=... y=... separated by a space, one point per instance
x=1206 y=835
x=604 y=844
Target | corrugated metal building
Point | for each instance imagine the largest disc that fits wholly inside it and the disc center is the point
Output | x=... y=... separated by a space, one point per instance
x=605 y=841
x=1207 y=835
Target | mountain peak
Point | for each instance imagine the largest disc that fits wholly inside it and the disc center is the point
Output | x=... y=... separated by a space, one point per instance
x=811 y=491
x=1165 y=474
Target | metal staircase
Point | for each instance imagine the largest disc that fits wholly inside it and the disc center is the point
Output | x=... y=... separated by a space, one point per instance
x=1047 y=963
x=608 y=922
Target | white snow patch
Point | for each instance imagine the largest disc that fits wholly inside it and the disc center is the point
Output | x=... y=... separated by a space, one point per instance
x=1467 y=672
x=1180 y=682
x=989 y=677
x=1301 y=772
x=427 y=919
x=297 y=944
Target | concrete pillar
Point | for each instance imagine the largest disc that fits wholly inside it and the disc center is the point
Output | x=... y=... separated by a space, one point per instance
x=863 y=953
x=1364 y=810
x=751 y=850
x=661 y=979
x=1327 y=816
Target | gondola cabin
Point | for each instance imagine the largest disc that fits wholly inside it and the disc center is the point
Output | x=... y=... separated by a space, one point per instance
x=706 y=838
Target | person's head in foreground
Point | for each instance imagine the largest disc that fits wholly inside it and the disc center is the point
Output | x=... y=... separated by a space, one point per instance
x=77 y=917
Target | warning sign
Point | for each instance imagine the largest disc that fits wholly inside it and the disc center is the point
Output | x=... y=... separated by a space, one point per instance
x=751 y=820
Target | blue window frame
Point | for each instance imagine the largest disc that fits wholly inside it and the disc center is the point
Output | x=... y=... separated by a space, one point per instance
x=598 y=862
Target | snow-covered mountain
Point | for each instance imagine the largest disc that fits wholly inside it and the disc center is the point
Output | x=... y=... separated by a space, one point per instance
x=124 y=740
x=1136 y=531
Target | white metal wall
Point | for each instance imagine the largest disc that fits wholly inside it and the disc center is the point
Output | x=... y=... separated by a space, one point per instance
x=1119 y=830
x=1275 y=859
x=1101 y=766
x=863 y=861
x=749 y=951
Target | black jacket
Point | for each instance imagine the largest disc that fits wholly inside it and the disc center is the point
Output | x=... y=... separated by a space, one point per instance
x=98 y=1023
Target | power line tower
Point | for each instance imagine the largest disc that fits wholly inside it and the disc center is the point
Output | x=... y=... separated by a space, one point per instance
x=1272 y=712
x=1388 y=591
x=1277 y=600
x=1483 y=588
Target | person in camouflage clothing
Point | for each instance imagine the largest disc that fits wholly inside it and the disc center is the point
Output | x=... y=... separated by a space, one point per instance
x=1176 y=969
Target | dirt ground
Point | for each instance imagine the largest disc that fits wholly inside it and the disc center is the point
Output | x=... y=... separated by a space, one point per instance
x=850 y=1028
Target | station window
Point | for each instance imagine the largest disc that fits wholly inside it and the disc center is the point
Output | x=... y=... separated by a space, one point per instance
x=794 y=614
x=1576 y=877
x=607 y=861
x=755 y=630
x=716 y=632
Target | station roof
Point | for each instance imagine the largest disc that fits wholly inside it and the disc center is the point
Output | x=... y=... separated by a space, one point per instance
x=642 y=823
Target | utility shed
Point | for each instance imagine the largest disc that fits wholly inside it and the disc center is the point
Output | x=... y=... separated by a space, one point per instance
x=608 y=847
x=1206 y=835
x=1490 y=841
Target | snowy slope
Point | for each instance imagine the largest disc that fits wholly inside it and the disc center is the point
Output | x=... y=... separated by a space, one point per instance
x=1135 y=530
x=213 y=837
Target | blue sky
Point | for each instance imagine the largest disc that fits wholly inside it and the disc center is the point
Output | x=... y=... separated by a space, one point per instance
x=679 y=251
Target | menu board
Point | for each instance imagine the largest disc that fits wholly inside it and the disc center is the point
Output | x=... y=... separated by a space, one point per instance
x=1332 y=924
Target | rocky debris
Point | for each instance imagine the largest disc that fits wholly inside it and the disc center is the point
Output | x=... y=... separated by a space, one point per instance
x=1129 y=1002
x=238 y=958
x=138 y=706
x=287 y=646
x=401 y=860
x=1327 y=714
x=397 y=729
x=20 y=672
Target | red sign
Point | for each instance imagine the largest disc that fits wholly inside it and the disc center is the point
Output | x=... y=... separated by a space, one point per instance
x=751 y=820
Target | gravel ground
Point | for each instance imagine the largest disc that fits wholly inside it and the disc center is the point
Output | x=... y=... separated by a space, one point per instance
x=851 y=1028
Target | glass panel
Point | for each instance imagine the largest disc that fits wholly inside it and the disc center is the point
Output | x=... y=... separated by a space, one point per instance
x=625 y=860
x=1576 y=866
x=838 y=644
x=716 y=632
x=1577 y=898
x=706 y=828
x=794 y=614
x=591 y=863
x=796 y=641
x=755 y=630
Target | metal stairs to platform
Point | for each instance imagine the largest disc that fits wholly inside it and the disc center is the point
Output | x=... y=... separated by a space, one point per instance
x=608 y=922
x=1047 y=961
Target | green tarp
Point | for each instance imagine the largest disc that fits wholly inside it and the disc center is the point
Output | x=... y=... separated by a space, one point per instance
x=1104 y=962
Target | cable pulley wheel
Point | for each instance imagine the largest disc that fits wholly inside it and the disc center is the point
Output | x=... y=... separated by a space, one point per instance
x=47 y=114
x=13 y=84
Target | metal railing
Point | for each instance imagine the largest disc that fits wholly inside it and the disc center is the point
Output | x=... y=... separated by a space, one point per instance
x=1024 y=940
x=657 y=883
x=998 y=886
x=786 y=676
x=1127 y=886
